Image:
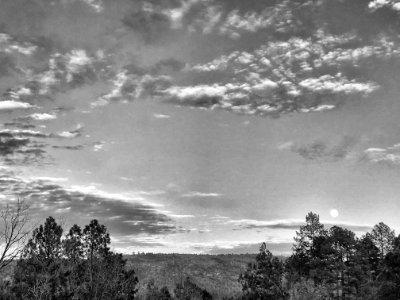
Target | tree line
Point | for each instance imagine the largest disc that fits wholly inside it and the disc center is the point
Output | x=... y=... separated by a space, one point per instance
x=326 y=263
x=51 y=265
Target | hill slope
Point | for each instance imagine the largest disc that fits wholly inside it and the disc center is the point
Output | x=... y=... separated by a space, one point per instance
x=217 y=273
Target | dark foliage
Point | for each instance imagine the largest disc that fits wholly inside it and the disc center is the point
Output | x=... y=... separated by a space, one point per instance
x=263 y=279
x=326 y=264
x=80 y=266
x=188 y=290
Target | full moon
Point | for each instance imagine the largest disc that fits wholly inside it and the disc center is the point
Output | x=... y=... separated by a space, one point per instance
x=334 y=213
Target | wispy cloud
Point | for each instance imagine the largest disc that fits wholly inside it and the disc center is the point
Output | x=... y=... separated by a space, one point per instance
x=389 y=155
x=201 y=195
x=46 y=196
x=97 y=5
x=9 y=45
x=161 y=116
x=98 y=146
x=49 y=179
x=320 y=150
x=70 y=134
x=292 y=224
x=131 y=86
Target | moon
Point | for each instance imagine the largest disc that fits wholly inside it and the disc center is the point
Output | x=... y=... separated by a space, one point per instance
x=334 y=213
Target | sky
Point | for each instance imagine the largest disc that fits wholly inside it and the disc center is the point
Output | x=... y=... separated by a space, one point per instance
x=201 y=126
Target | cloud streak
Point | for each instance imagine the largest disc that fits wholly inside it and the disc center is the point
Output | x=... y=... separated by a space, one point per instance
x=123 y=214
x=291 y=224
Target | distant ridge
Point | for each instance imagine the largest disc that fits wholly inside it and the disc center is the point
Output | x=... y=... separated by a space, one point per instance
x=217 y=273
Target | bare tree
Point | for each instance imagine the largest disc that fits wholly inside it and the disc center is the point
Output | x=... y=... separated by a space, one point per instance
x=14 y=231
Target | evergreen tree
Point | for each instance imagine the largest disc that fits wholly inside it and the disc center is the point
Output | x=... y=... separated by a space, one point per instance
x=383 y=237
x=38 y=273
x=79 y=267
x=308 y=233
x=263 y=279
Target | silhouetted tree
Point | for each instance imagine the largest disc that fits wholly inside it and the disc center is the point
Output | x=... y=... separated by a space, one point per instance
x=311 y=241
x=79 y=267
x=306 y=235
x=38 y=273
x=73 y=244
x=14 y=218
x=383 y=237
x=96 y=240
x=263 y=279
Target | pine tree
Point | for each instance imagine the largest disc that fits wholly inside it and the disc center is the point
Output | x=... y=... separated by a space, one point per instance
x=263 y=279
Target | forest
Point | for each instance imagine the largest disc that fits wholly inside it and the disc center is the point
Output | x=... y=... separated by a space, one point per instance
x=326 y=263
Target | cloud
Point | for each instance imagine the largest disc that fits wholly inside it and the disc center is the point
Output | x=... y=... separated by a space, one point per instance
x=22 y=145
x=319 y=108
x=70 y=134
x=12 y=105
x=226 y=19
x=76 y=147
x=23 y=133
x=64 y=71
x=376 y=4
x=197 y=200
x=166 y=67
x=337 y=84
x=236 y=97
x=208 y=17
x=49 y=179
x=9 y=45
x=134 y=242
x=43 y=116
x=17 y=149
x=9 y=144
x=151 y=23
x=316 y=71
x=319 y=150
x=98 y=146
x=315 y=74
x=292 y=224
x=209 y=94
x=161 y=116
x=175 y=216
x=177 y=14
x=202 y=195
x=235 y=23
x=128 y=87
x=96 y=5
x=76 y=60
x=207 y=20
x=389 y=155
x=47 y=197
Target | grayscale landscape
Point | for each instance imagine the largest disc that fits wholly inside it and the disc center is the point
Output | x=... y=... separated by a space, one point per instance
x=199 y=149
